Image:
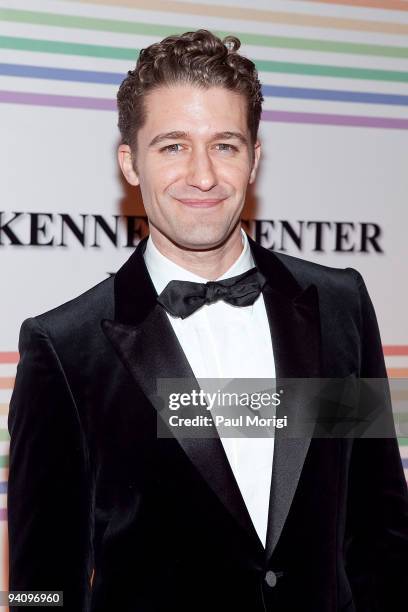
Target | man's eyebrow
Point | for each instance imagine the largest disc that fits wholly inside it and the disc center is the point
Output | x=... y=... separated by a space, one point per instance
x=227 y=135
x=231 y=135
x=167 y=136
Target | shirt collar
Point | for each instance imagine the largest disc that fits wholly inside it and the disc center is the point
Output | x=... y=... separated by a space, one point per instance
x=162 y=270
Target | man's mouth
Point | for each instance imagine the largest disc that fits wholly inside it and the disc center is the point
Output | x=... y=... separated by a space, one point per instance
x=199 y=203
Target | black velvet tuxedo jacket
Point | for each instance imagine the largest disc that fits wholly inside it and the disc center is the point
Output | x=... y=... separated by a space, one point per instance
x=162 y=521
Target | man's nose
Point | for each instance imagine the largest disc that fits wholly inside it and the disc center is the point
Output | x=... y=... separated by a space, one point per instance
x=201 y=172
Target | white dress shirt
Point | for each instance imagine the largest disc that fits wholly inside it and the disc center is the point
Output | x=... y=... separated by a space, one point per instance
x=225 y=341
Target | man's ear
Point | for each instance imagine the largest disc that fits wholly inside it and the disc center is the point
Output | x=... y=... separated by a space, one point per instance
x=255 y=163
x=125 y=160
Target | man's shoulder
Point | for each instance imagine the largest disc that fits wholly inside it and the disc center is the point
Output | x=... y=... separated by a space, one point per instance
x=81 y=312
x=327 y=279
x=342 y=296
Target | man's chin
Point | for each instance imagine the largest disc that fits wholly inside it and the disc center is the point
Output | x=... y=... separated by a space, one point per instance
x=200 y=241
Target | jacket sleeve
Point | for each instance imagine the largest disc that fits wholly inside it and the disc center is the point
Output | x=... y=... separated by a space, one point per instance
x=377 y=518
x=49 y=495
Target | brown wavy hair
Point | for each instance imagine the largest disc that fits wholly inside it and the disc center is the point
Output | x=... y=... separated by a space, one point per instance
x=198 y=58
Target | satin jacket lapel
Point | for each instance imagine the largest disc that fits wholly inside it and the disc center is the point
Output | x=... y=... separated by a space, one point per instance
x=148 y=347
x=293 y=313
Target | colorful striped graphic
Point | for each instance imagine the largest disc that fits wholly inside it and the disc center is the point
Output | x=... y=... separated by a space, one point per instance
x=271 y=16
x=316 y=68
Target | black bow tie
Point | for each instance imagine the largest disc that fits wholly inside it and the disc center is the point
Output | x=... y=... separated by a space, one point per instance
x=182 y=298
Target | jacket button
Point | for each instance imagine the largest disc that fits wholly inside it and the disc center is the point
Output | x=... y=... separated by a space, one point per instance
x=270 y=578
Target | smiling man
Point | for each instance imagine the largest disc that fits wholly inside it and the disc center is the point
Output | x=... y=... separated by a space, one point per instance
x=191 y=144
x=118 y=517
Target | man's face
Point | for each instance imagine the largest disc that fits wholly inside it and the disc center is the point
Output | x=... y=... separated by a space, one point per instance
x=193 y=163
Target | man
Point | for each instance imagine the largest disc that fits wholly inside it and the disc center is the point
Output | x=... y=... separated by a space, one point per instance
x=122 y=519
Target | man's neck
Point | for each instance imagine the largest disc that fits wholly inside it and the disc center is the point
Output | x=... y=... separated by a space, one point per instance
x=210 y=263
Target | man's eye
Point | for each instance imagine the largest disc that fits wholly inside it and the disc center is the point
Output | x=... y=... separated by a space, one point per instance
x=173 y=148
x=223 y=146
